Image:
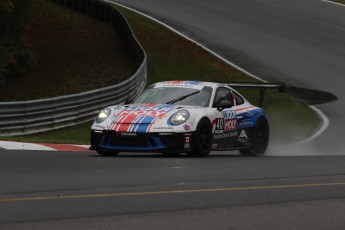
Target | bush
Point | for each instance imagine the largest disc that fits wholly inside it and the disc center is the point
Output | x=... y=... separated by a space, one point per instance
x=15 y=54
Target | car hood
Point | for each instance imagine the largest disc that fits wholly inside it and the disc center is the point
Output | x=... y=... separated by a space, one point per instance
x=141 y=117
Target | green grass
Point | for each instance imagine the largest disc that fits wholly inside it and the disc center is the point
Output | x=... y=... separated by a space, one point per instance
x=172 y=57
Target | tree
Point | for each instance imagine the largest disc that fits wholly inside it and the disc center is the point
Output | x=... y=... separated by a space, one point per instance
x=15 y=55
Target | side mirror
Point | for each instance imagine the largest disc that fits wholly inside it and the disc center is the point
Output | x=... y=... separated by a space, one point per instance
x=224 y=104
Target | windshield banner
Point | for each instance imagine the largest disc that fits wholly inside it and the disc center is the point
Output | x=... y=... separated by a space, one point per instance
x=181 y=84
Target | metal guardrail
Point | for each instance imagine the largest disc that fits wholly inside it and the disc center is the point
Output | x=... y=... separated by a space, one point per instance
x=28 y=117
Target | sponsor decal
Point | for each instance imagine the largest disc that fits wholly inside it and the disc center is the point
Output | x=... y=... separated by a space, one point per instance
x=230 y=120
x=225 y=135
x=187 y=139
x=230 y=125
x=186 y=127
x=239 y=117
x=183 y=82
x=246 y=123
x=229 y=115
x=128 y=134
x=146 y=110
x=158 y=114
x=243 y=137
x=155 y=128
x=151 y=107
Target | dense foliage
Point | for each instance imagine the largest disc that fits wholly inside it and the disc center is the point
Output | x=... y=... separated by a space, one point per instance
x=15 y=54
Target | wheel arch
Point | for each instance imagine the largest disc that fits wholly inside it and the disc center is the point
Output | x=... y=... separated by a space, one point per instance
x=200 y=115
x=260 y=115
x=205 y=118
x=263 y=116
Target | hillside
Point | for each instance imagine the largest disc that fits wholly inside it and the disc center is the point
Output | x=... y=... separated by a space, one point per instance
x=72 y=53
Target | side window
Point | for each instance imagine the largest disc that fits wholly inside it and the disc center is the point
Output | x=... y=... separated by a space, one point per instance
x=223 y=94
x=238 y=98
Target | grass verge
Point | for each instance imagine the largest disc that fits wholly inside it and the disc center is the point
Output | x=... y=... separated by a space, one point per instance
x=172 y=57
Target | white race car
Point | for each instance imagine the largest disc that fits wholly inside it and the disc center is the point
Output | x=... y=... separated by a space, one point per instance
x=191 y=117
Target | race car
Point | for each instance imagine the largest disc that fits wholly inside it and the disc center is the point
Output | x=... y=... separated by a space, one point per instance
x=191 y=117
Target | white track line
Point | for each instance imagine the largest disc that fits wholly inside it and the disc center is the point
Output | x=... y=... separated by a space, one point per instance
x=323 y=127
x=335 y=3
x=322 y=116
x=83 y=146
x=14 y=145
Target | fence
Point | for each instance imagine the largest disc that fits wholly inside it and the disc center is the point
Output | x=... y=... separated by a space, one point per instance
x=27 y=117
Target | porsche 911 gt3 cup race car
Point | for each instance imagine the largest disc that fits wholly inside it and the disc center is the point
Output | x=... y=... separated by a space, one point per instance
x=191 y=117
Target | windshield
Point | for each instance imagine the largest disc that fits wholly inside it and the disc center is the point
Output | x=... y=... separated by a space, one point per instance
x=176 y=96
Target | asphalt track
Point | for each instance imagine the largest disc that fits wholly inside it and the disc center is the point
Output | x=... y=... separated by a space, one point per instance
x=79 y=190
x=300 y=42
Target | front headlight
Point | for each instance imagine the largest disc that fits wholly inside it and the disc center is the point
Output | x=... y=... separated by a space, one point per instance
x=104 y=114
x=179 y=117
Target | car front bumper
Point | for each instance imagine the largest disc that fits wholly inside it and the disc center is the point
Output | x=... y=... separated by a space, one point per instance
x=141 y=142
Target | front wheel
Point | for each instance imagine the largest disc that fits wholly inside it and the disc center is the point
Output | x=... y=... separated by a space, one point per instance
x=260 y=139
x=202 y=141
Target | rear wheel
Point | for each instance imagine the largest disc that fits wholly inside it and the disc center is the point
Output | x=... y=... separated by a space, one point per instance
x=202 y=141
x=107 y=153
x=260 y=139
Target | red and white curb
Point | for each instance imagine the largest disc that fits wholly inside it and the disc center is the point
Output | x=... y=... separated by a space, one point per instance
x=12 y=145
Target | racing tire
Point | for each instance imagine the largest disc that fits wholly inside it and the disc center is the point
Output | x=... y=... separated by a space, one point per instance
x=107 y=153
x=202 y=141
x=260 y=138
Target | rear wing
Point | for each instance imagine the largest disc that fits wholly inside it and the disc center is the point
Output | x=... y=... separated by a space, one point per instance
x=261 y=86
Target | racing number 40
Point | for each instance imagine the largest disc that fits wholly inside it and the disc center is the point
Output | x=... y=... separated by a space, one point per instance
x=220 y=124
